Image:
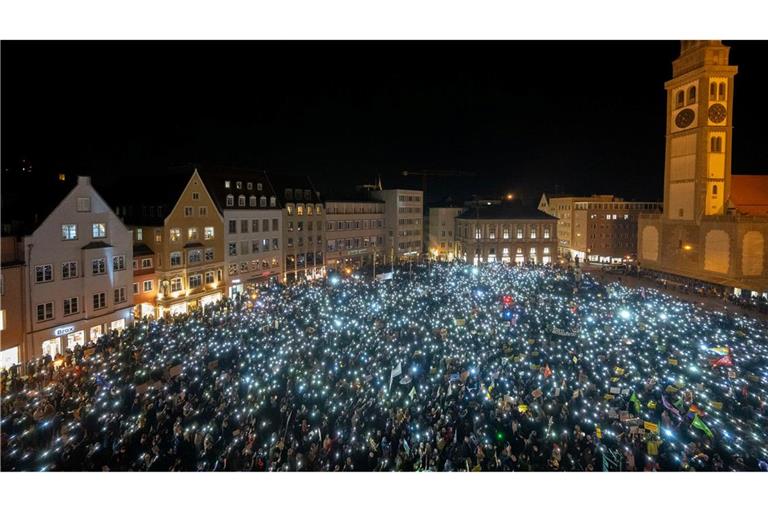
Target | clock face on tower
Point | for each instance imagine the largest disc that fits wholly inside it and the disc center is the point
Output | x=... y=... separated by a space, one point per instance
x=684 y=118
x=717 y=113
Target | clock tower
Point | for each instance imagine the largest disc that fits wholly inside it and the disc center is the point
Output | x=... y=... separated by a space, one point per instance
x=697 y=172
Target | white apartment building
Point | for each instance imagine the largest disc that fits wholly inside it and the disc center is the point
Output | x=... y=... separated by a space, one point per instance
x=252 y=227
x=404 y=218
x=79 y=273
x=442 y=240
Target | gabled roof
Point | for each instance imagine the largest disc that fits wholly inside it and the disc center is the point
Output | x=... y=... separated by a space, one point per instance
x=282 y=182
x=147 y=198
x=215 y=179
x=142 y=250
x=749 y=193
x=97 y=245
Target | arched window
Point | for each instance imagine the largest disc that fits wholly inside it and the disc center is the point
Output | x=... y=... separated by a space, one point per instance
x=230 y=200
x=241 y=200
x=272 y=201
x=680 y=99
x=263 y=201
x=714 y=190
x=721 y=92
x=712 y=91
x=252 y=201
x=692 y=95
x=716 y=145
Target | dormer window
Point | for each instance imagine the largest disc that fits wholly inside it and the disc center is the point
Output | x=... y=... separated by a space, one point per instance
x=239 y=185
x=241 y=200
x=227 y=184
x=230 y=200
x=249 y=186
x=258 y=187
x=263 y=201
x=289 y=194
x=252 y=201
x=272 y=201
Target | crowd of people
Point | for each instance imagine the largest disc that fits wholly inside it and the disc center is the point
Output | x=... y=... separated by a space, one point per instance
x=445 y=368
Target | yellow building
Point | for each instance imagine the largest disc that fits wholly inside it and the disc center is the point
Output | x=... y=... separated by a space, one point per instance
x=713 y=227
x=185 y=230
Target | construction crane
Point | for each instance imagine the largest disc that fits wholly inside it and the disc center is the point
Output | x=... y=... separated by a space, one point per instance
x=424 y=174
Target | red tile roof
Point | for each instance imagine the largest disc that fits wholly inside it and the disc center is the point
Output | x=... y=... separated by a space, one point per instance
x=749 y=194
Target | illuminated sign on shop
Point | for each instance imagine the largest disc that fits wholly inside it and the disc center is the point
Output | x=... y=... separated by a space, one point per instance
x=61 y=331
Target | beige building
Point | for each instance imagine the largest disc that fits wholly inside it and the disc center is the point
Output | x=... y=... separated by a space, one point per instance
x=404 y=218
x=561 y=206
x=442 y=240
x=185 y=231
x=354 y=231
x=506 y=233
x=78 y=274
x=599 y=228
x=714 y=226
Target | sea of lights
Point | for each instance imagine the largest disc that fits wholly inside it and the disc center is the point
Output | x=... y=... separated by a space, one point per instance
x=505 y=342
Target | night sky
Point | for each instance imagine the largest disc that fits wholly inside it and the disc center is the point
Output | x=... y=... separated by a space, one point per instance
x=577 y=117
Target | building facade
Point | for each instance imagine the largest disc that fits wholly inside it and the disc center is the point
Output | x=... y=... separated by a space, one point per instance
x=13 y=348
x=598 y=229
x=441 y=239
x=506 y=233
x=404 y=220
x=303 y=225
x=705 y=232
x=252 y=227
x=78 y=266
x=145 y=278
x=354 y=231
x=187 y=238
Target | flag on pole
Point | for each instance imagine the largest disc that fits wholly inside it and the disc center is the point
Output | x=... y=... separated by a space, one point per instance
x=669 y=406
x=701 y=425
x=397 y=370
x=726 y=360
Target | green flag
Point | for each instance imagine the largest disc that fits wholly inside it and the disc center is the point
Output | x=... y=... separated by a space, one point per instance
x=700 y=425
x=636 y=402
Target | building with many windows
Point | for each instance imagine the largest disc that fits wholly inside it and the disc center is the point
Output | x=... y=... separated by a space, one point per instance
x=181 y=224
x=252 y=226
x=303 y=226
x=145 y=278
x=354 y=231
x=714 y=226
x=507 y=233
x=442 y=222
x=599 y=228
x=78 y=274
x=13 y=348
x=404 y=220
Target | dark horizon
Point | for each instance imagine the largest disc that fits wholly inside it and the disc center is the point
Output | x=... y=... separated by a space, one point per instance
x=526 y=116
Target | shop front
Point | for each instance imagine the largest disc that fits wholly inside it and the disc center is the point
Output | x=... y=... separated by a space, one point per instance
x=236 y=288
x=9 y=357
x=210 y=299
x=56 y=340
